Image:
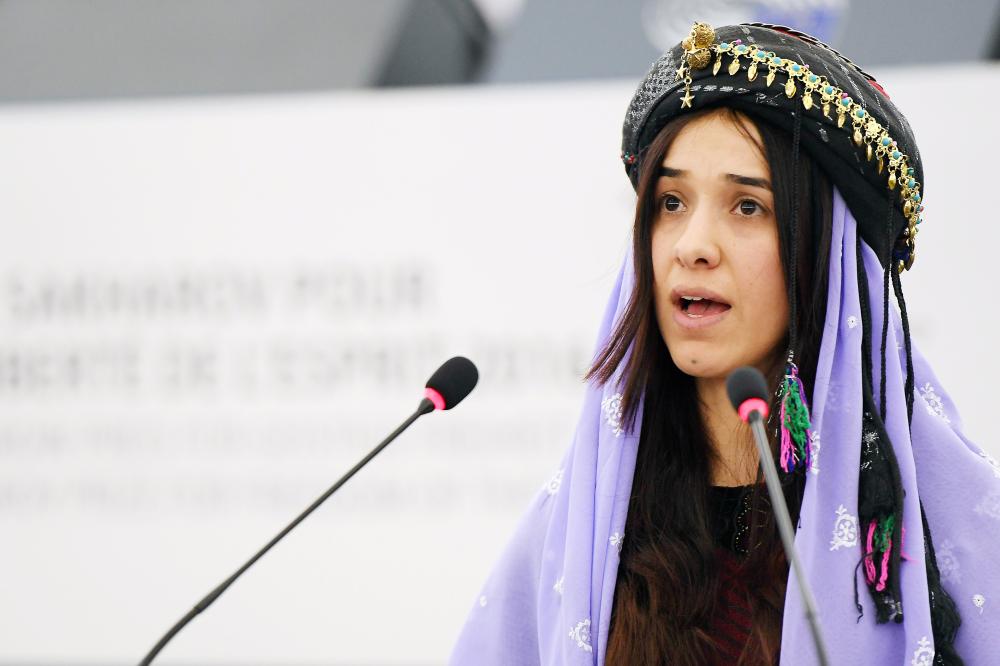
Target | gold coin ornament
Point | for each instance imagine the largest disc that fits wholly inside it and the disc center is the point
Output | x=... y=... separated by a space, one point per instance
x=865 y=131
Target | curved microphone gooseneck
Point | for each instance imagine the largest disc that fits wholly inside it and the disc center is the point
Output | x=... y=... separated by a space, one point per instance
x=747 y=390
x=447 y=387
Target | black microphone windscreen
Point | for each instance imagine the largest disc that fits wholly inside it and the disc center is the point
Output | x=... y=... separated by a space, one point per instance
x=454 y=380
x=745 y=383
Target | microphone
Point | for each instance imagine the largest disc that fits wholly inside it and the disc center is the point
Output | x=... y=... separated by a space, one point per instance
x=447 y=387
x=748 y=392
x=450 y=383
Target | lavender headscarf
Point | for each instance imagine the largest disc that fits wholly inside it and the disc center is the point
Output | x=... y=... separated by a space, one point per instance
x=549 y=599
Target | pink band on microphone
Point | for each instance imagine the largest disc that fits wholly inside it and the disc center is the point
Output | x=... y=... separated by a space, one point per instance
x=751 y=405
x=434 y=397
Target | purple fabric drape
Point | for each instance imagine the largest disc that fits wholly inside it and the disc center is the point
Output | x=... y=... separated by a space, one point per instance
x=549 y=598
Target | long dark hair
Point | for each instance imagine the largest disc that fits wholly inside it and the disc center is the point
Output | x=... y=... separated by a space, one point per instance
x=667 y=586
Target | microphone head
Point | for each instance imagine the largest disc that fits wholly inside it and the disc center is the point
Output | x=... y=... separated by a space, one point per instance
x=744 y=384
x=454 y=380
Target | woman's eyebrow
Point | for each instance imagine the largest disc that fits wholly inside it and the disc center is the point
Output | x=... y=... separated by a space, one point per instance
x=747 y=180
x=670 y=172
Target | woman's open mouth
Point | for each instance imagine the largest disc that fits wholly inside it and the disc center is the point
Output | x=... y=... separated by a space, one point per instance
x=696 y=307
x=694 y=311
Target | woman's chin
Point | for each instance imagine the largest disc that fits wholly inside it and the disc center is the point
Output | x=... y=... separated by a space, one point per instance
x=716 y=360
x=702 y=365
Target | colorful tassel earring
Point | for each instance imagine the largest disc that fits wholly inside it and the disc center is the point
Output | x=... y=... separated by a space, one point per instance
x=796 y=429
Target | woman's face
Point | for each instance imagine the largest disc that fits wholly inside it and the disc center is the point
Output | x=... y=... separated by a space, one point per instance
x=715 y=238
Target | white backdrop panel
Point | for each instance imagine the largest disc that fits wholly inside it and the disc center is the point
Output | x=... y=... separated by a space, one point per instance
x=210 y=309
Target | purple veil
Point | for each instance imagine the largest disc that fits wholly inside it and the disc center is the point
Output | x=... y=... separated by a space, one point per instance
x=548 y=600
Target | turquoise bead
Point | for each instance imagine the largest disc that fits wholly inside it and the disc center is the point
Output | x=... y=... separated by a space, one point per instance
x=724 y=46
x=846 y=101
x=761 y=54
x=741 y=48
x=796 y=68
x=896 y=154
x=813 y=78
x=885 y=141
x=860 y=113
x=909 y=171
x=828 y=90
x=911 y=183
x=775 y=60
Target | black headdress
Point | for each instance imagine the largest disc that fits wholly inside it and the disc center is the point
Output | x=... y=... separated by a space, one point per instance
x=848 y=124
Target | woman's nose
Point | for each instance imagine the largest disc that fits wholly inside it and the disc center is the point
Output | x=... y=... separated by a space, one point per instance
x=697 y=245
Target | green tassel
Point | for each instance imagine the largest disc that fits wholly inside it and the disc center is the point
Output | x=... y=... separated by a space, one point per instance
x=884 y=532
x=795 y=422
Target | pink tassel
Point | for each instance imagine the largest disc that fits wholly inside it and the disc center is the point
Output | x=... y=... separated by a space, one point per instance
x=869 y=565
x=787 y=450
x=885 y=566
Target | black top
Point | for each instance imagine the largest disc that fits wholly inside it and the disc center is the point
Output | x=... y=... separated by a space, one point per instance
x=732 y=621
x=729 y=515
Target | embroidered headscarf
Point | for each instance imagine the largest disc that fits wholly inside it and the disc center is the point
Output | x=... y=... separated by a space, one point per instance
x=883 y=456
x=549 y=598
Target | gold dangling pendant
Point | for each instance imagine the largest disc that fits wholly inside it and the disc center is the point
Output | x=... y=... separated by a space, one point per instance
x=892 y=180
x=717 y=66
x=840 y=118
x=826 y=109
x=881 y=165
x=686 y=100
x=807 y=101
x=770 y=77
x=857 y=137
x=868 y=152
x=752 y=71
x=907 y=208
x=734 y=66
x=790 y=87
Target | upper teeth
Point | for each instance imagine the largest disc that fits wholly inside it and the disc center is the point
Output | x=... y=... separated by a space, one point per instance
x=693 y=298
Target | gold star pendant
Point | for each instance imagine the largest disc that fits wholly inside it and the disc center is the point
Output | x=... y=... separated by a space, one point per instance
x=686 y=100
x=680 y=70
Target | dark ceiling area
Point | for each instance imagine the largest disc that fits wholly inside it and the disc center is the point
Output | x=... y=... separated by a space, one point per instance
x=53 y=50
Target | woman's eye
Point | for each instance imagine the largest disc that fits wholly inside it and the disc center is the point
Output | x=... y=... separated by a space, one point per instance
x=670 y=203
x=749 y=207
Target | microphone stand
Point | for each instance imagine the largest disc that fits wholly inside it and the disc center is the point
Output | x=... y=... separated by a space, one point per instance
x=787 y=532
x=425 y=407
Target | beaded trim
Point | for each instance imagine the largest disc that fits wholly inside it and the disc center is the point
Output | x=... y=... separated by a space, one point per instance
x=699 y=47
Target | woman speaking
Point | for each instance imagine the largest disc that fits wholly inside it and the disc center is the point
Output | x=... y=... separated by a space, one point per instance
x=778 y=203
